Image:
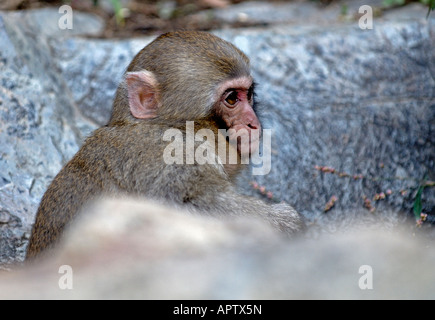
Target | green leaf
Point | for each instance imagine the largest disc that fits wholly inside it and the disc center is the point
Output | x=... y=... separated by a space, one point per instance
x=430 y=4
x=117 y=7
x=392 y=3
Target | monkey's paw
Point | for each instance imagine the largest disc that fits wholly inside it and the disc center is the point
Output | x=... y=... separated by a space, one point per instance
x=287 y=219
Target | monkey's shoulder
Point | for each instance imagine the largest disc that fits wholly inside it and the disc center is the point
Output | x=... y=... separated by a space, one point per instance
x=148 y=147
x=121 y=139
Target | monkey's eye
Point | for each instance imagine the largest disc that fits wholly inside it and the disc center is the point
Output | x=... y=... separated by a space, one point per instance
x=232 y=98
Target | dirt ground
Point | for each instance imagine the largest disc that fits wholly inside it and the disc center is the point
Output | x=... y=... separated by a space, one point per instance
x=141 y=17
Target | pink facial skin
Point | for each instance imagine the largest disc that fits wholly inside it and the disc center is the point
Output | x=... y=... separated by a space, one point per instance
x=235 y=108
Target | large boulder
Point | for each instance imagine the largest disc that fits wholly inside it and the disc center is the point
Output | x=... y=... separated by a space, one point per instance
x=40 y=126
x=129 y=249
x=359 y=102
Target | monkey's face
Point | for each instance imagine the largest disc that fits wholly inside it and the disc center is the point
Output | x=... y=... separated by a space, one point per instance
x=235 y=108
x=195 y=76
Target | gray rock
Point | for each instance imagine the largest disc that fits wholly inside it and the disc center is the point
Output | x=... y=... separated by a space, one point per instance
x=46 y=21
x=270 y=13
x=360 y=101
x=302 y=13
x=137 y=250
x=93 y=70
x=38 y=126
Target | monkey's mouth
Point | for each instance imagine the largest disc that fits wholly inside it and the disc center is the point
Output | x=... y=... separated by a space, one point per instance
x=247 y=140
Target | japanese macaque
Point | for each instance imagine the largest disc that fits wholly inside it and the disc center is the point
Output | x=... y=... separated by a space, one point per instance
x=180 y=79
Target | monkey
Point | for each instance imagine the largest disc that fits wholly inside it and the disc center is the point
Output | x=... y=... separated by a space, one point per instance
x=180 y=78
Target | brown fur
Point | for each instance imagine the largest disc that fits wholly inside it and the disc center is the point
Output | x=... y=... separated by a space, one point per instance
x=126 y=156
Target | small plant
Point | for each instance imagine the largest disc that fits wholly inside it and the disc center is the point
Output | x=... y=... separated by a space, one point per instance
x=264 y=192
x=430 y=4
x=117 y=8
x=418 y=214
x=393 y=3
x=368 y=202
x=330 y=203
x=119 y=16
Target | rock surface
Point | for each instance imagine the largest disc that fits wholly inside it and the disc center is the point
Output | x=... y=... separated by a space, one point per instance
x=359 y=101
x=40 y=126
x=137 y=250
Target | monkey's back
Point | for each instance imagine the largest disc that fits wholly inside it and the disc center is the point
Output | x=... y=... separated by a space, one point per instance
x=114 y=161
x=58 y=206
x=80 y=181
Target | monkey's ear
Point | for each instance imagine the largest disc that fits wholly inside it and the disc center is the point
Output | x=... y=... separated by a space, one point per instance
x=142 y=94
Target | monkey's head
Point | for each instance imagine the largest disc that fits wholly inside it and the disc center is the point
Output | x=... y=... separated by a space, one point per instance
x=188 y=76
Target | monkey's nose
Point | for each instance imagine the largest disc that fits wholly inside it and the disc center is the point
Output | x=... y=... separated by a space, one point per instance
x=254 y=124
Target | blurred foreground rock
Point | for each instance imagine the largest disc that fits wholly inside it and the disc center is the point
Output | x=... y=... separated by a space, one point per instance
x=359 y=101
x=137 y=250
